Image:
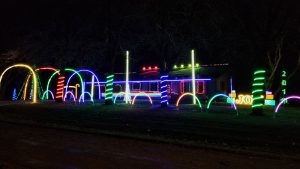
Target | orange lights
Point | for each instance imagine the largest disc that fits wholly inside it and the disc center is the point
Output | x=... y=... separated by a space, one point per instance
x=60 y=88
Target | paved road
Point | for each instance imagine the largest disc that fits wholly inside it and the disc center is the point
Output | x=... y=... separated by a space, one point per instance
x=31 y=147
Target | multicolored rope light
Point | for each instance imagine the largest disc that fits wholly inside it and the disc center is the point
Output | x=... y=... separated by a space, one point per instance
x=141 y=94
x=35 y=84
x=81 y=80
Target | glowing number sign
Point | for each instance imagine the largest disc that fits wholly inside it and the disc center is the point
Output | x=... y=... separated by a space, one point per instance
x=283 y=84
x=244 y=99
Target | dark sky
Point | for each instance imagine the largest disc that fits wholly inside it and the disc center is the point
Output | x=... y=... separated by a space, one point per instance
x=95 y=34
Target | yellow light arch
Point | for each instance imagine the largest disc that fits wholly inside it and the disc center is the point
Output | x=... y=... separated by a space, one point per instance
x=190 y=94
x=34 y=99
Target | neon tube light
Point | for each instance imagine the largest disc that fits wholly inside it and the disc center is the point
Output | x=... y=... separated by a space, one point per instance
x=119 y=94
x=71 y=93
x=142 y=94
x=259 y=72
x=258 y=88
x=25 y=88
x=60 y=87
x=284 y=100
x=35 y=84
x=188 y=94
x=109 y=87
x=153 y=81
x=49 y=80
x=163 y=89
x=193 y=76
x=93 y=86
x=44 y=94
x=127 y=78
x=81 y=97
x=221 y=95
x=47 y=68
x=93 y=74
x=257 y=91
x=80 y=78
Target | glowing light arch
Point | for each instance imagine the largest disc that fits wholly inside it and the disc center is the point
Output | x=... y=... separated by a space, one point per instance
x=222 y=95
x=48 y=91
x=47 y=68
x=71 y=93
x=141 y=94
x=188 y=94
x=66 y=69
x=25 y=88
x=119 y=94
x=82 y=95
x=49 y=80
x=34 y=99
x=93 y=74
x=285 y=99
x=40 y=69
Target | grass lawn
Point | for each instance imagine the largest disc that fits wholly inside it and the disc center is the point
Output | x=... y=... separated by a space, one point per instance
x=220 y=126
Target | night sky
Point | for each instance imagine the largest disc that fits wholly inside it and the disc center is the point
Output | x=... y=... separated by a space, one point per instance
x=95 y=34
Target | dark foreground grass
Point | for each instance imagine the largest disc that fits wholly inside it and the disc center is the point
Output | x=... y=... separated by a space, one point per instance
x=220 y=126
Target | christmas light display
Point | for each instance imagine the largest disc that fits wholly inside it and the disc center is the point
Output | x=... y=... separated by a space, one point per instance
x=60 y=88
x=81 y=80
x=81 y=98
x=48 y=91
x=93 y=86
x=269 y=99
x=193 y=76
x=188 y=94
x=283 y=85
x=141 y=94
x=35 y=84
x=71 y=94
x=109 y=89
x=79 y=76
x=258 y=91
x=244 y=99
x=221 y=95
x=14 y=95
x=153 y=81
x=48 y=83
x=118 y=95
x=25 y=88
x=127 y=90
x=163 y=91
x=284 y=100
